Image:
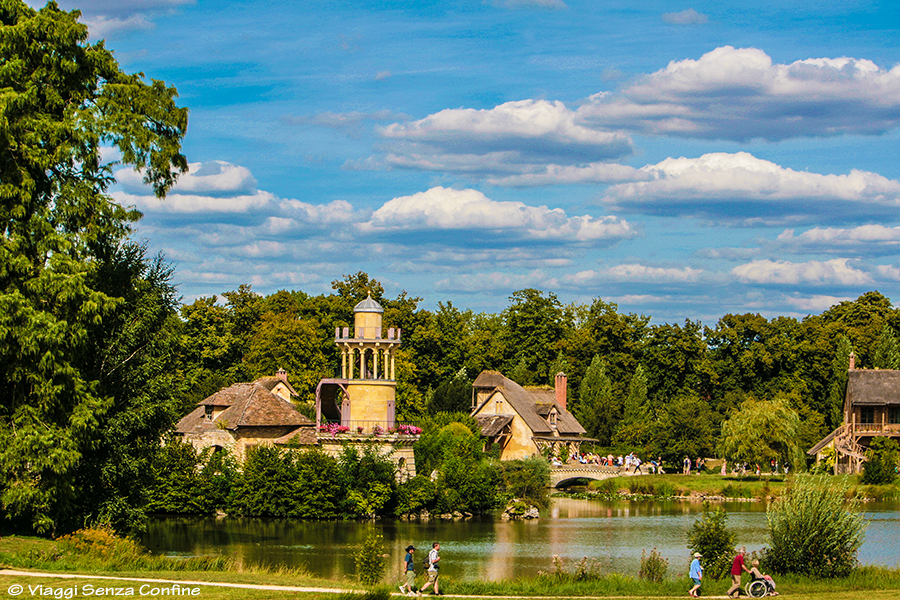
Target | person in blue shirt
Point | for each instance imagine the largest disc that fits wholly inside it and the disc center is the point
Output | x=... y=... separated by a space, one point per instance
x=409 y=568
x=696 y=574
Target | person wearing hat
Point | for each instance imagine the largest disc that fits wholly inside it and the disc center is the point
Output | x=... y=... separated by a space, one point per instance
x=409 y=568
x=696 y=574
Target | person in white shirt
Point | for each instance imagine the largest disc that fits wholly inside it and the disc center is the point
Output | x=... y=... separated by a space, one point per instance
x=433 y=567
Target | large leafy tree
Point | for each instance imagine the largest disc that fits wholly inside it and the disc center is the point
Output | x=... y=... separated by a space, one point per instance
x=61 y=101
x=534 y=325
x=597 y=408
x=763 y=430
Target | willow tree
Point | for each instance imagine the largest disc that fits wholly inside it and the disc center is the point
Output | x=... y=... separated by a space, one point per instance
x=61 y=101
x=761 y=431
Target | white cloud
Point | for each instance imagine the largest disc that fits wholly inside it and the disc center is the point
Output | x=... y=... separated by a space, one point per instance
x=556 y=174
x=685 y=17
x=214 y=177
x=493 y=282
x=835 y=271
x=448 y=209
x=889 y=271
x=516 y=4
x=739 y=94
x=193 y=203
x=107 y=17
x=742 y=189
x=635 y=272
x=815 y=304
x=513 y=138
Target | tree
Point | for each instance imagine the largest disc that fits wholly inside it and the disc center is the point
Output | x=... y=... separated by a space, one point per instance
x=837 y=387
x=761 y=431
x=534 y=324
x=63 y=100
x=597 y=409
x=881 y=468
x=684 y=428
x=887 y=354
x=635 y=426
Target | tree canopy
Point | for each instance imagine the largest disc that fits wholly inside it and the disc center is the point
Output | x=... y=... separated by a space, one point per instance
x=61 y=101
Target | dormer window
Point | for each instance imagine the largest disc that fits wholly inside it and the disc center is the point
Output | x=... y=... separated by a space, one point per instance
x=552 y=418
x=209 y=413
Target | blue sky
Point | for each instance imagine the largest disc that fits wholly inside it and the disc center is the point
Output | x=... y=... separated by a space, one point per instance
x=681 y=160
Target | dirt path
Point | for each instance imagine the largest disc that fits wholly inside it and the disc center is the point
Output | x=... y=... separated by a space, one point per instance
x=283 y=588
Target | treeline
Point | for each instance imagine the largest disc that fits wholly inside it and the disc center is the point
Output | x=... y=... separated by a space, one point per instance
x=453 y=475
x=662 y=389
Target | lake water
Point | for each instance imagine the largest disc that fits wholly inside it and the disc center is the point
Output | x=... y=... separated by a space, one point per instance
x=614 y=533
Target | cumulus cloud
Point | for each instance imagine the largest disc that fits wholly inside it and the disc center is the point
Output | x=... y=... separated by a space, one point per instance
x=447 y=209
x=740 y=189
x=685 y=17
x=635 y=272
x=516 y=137
x=835 y=271
x=889 y=272
x=739 y=94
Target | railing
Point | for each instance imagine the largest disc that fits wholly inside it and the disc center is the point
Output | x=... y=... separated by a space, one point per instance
x=368 y=429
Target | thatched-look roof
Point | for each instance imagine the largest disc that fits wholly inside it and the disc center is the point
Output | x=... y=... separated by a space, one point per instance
x=248 y=405
x=873 y=387
x=532 y=404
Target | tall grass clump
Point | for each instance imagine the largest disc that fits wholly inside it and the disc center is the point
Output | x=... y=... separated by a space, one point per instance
x=653 y=567
x=587 y=569
x=607 y=487
x=813 y=530
x=369 y=558
x=710 y=536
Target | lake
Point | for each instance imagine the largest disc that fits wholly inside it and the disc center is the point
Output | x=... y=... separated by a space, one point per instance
x=613 y=532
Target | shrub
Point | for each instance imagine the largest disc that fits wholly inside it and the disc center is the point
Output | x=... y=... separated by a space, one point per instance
x=881 y=467
x=604 y=486
x=812 y=530
x=641 y=486
x=369 y=558
x=527 y=479
x=653 y=567
x=709 y=535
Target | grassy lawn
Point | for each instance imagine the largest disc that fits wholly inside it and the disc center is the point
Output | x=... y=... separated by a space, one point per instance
x=40 y=555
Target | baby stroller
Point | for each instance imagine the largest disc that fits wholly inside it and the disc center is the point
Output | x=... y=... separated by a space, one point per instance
x=759 y=587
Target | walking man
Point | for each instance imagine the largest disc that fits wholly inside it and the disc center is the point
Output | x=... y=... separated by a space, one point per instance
x=433 y=567
x=409 y=569
x=696 y=574
x=737 y=570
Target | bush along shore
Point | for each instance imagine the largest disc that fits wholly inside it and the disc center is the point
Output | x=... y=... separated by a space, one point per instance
x=707 y=487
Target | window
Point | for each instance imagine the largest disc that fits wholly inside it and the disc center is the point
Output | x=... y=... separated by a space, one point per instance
x=209 y=413
x=894 y=414
x=552 y=418
x=867 y=414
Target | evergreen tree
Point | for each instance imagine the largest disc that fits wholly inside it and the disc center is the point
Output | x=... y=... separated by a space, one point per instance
x=597 y=408
x=887 y=353
x=837 y=387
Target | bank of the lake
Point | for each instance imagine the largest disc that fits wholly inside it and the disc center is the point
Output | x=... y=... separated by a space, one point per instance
x=716 y=487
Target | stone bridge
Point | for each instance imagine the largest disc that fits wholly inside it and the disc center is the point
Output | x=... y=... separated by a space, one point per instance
x=566 y=473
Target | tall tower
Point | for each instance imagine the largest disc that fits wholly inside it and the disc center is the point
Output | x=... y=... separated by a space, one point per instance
x=368 y=370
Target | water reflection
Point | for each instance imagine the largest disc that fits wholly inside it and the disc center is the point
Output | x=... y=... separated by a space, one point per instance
x=615 y=533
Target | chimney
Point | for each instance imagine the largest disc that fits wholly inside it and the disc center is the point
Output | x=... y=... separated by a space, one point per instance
x=852 y=360
x=561 y=390
x=282 y=375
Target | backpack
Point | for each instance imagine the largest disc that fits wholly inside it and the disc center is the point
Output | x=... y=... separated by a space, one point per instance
x=427 y=563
